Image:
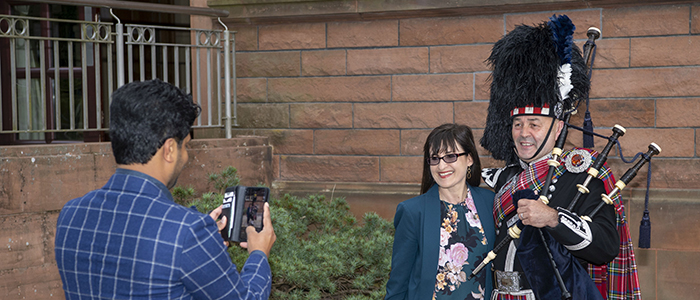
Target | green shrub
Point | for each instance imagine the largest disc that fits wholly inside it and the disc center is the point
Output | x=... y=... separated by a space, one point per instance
x=322 y=251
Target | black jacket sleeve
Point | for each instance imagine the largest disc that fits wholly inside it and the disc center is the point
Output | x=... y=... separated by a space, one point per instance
x=596 y=242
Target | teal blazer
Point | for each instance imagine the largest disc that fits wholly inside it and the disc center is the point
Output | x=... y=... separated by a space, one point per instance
x=416 y=249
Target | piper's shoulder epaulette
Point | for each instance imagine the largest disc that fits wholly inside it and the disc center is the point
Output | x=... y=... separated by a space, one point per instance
x=492 y=176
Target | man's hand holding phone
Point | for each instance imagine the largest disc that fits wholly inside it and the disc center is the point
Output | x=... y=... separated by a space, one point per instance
x=264 y=239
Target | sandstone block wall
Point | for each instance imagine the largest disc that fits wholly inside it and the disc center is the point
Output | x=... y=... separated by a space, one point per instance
x=365 y=94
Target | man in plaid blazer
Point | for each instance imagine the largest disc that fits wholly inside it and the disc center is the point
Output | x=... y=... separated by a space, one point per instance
x=129 y=240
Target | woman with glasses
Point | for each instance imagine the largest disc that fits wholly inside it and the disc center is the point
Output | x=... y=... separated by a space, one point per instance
x=443 y=234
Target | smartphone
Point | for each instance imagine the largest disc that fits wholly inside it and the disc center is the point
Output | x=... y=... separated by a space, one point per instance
x=243 y=206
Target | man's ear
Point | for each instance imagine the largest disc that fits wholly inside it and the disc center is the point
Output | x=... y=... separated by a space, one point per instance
x=560 y=127
x=170 y=150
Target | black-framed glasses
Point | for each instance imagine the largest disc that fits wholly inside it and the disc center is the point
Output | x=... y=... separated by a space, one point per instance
x=449 y=158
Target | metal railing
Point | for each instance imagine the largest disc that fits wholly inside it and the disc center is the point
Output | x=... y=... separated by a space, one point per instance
x=63 y=83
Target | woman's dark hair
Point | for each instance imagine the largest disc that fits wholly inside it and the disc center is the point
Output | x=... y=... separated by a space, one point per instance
x=143 y=115
x=448 y=136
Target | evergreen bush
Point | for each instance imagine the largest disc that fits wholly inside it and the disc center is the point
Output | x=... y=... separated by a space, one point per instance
x=321 y=252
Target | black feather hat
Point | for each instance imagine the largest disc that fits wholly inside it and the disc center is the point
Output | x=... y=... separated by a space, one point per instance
x=536 y=70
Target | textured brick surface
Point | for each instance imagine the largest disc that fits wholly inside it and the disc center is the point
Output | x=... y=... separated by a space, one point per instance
x=289 y=141
x=402 y=115
x=482 y=86
x=582 y=19
x=432 y=87
x=357 y=142
x=292 y=36
x=646 y=20
x=321 y=115
x=40 y=282
x=655 y=82
x=680 y=112
x=25 y=242
x=695 y=19
x=363 y=34
x=450 y=31
x=413 y=141
x=251 y=158
x=251 y=89
x=646 y=270
x=330 y=89
x=455 y=59
x=388 y=61
x=268 y=64
x=478 y=133
x=263 y=115
x=676 y=142
x=401 y=168
x=26 y=181
x=624 y=112
x=676 y=173
x=246 y=38
x=611 y=53
x=472 y=114
x=329 y=168
x=323 y=62
x=676 y=280
x=665 y=51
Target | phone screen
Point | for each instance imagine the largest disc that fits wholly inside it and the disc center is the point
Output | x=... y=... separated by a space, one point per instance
x=254 y=200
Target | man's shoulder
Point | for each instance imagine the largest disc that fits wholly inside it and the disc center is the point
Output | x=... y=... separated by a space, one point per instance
x=496 y=177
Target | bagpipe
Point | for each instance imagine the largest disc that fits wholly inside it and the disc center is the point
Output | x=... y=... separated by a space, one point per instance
x=560 y=260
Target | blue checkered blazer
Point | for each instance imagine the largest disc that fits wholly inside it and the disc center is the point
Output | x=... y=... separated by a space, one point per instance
x=129 y=240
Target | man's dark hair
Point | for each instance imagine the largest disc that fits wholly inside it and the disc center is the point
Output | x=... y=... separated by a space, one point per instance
x=143 y=115
x=448 y=136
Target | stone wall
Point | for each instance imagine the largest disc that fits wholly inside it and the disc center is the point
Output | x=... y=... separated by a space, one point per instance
x=36 y=181
x=347 y=91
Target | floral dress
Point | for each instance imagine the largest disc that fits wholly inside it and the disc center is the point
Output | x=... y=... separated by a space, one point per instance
x=462 y=246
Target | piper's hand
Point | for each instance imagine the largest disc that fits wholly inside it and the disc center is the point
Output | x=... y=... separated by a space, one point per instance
x=537 y=214
x=214 y=214
x=264 y=239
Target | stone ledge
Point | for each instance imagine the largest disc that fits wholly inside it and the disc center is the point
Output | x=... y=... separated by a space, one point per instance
x=258 y=12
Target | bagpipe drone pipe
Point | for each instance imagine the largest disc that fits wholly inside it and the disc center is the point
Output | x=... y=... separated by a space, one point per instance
x=549 y=267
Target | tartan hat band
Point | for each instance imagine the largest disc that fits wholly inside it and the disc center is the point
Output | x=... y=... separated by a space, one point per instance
x=532 y=110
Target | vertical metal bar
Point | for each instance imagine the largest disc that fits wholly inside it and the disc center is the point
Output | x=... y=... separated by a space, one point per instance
x=120 y=56
x=227 y=83
x=84 y=67
x=218 y=82
x=1 y=116
x=233 y=69
x=42 y=72
x=199 y=82
x=130 y=61
x=98 y=86
x=165 y=63
x=176 y=65
x=188 y=70
x=71 y=86
x=142 y=63
x=153 y=62
x=110 y=69
x=28 y=81
x=57 y=84
x=13 y=81
x=209 y=102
